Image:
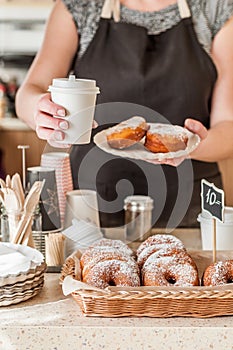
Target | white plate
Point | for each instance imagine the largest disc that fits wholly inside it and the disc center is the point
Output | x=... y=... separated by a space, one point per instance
x=12 y=280
x=139 y=152
x=17 y=258
x=19 y=297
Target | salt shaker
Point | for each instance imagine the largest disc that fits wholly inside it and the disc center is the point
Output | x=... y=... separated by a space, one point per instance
x=138 y=217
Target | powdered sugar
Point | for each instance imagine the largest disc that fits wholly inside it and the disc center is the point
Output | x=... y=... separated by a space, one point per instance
x=171 y=130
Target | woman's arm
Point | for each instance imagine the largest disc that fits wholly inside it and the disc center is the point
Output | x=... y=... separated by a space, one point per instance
x=218 y=144
x=54 y=59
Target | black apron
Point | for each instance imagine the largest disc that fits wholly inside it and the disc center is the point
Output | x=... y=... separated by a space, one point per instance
x=156 y=76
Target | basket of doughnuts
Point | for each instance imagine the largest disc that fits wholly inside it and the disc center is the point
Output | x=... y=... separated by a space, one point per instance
x=138 y=139
x=158 y=279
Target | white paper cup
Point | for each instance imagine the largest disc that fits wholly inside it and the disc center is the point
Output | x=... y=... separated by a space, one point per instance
x=82 y=205
x=78 y=97
x=224 y=231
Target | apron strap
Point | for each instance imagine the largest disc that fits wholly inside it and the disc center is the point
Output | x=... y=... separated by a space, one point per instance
x=111 y=9
x=184 y=9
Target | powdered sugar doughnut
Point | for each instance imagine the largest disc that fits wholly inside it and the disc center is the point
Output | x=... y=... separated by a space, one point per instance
x=169 y=271
x=219 y=273
x=113 y=273
x=160 y=239
x=106 y=249
x=109 y=262
x=95 y=255
x=163 y=138
x=127 y=133
x=115 y=243
x=162 y=249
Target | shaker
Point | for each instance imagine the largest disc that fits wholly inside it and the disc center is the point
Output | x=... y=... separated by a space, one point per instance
x=138 y=217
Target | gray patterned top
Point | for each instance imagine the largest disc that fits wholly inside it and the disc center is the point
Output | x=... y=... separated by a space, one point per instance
x=208 y=17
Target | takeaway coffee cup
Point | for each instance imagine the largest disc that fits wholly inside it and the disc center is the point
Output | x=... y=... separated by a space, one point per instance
x=224 y=230
x=78 y=97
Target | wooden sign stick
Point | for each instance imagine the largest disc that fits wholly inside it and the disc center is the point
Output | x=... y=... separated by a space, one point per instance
x=214 y=239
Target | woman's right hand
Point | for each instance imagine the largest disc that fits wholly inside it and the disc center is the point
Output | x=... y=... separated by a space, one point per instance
x=49 y=127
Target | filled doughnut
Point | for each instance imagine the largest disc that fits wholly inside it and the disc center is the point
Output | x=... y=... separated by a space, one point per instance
x=219 y=273
x=163 y=138
x=127 y=133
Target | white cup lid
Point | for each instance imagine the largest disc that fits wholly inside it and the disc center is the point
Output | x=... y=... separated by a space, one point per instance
x=75 y=84
x=228 y=215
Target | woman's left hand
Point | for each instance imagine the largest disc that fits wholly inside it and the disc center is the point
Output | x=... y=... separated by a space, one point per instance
x=195 y=127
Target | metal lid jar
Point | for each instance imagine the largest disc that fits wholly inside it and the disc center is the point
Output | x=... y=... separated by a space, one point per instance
x=138 y=217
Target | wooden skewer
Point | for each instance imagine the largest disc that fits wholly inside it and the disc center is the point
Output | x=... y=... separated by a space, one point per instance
x=214 y=240
x=30 y=203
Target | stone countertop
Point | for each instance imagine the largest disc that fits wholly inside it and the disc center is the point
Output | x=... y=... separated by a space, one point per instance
x=52 y=321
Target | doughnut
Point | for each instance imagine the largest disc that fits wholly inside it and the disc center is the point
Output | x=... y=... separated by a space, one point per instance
x=113 y=273
x=169 y=271
x=162 y=250
x=160 y=239
x=182 y=254
x=164 y=261
x=105 y=249
x=163 y=138
x=95 y=255
x=109 y=262
x=219 y=273
x=127 y=133
x=115 y=243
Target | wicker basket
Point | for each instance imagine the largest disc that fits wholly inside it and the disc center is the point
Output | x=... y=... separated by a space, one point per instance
x=161 y=301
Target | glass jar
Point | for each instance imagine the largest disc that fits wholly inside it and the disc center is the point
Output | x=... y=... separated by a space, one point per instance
x=8 y=224
x=138 y=217
x=4 y=228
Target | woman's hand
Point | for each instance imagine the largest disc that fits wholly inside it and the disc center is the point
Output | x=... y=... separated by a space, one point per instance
x=47 y=126
x=195 y=127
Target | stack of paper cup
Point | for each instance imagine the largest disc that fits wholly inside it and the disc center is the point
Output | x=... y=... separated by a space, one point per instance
x=60 y=162
x=49 y=206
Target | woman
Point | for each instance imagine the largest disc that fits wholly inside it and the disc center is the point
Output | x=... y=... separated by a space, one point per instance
x=172 y=57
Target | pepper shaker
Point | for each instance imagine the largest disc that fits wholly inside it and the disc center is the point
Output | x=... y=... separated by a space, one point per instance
x=138 y=217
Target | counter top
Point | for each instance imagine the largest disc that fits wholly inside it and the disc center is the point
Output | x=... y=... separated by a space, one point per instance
x=52 y=321
x=13 y=124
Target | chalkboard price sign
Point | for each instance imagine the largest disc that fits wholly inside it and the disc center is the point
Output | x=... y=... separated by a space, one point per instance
x=212 y=200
